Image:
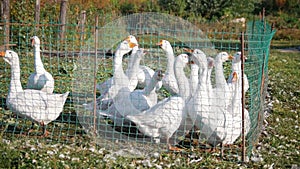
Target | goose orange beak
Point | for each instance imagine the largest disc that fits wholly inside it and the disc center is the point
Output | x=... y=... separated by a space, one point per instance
x=132 y=45
x=159 y=43
x=188 y=50
x=32 y=42
x=230 y=57
x=2 y=54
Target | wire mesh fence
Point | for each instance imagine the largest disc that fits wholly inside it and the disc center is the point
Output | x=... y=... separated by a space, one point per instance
x=86 y=57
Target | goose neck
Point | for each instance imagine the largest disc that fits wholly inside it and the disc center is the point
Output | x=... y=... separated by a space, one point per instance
x=182 y=81
x=38 y=64
x=171 y=58
x=131 y=58
x=236 y=66
x=208 y=76
x=220 y=79
x=118 y=59
x=15 y=82
x=236 y=101
x=150 y=86
x=118 y=67
x=194 y=78
x=132 y=72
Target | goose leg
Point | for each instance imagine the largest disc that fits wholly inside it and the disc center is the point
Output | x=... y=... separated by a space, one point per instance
x=31 y=128
x=222 y=150
x=173 y=148
x=45 y=132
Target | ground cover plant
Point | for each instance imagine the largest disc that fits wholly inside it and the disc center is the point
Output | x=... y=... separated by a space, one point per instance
x=278 y=146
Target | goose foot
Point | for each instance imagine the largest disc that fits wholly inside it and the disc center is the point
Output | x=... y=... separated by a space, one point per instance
x=45 y=133
x=174 y=148
x=31 y=129
x=211 y=150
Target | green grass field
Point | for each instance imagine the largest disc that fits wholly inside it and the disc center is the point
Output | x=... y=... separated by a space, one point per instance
x=278 y=147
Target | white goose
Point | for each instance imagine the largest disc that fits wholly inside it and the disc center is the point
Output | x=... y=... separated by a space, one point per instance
x=135 y=71
x=194 y=76
x=142 y=99
x=145 y=98
x=233 y=116
x=210 y=90
x=222 y=93
x=220 y=98
x=236 y=67
x=144 y=76
x=123 y=97
x=130 y=72
x=169 y=81
x=163 y=119
x=119 y=78
x=38 y=106
x=40 y=79
x=233 y=123
x=199 y=106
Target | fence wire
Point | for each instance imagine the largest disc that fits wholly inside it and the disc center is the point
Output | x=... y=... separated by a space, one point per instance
x=74 y=60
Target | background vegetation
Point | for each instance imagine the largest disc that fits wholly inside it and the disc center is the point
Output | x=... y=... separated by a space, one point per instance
x=284 y=13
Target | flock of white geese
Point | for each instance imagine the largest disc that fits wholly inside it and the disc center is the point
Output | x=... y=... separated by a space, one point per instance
x=132 y=94
x=216 y=111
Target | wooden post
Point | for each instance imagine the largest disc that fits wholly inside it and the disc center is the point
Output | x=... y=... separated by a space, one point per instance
x=6 y=18
x=264 y=56
x=63 y=14
x=243 y=98
x=82 y=24
x=37 y=13
x=95 y=72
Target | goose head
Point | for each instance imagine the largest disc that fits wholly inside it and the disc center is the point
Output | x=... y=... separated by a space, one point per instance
x=194 y=66
x=35 y=41
x=132 y=39
x=198 y=56
x=224 y=56
x=182 y=60
x=210 y=62
x=159 y=75
x=9 y=56
x=141 y=53
x=165 y=45
x=237 y=57
x=126 y=46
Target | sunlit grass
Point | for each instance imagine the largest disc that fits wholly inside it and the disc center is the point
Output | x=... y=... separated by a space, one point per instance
x=279 y=148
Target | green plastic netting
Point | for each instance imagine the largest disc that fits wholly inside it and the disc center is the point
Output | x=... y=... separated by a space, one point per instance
x=84 y=57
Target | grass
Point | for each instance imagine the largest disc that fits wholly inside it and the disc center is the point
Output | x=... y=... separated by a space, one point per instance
x=278 y=146
x=282 y=140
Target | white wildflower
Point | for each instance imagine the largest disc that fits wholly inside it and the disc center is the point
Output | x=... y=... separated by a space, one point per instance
x=50 y=152
x=75 y=159
x=61 y=156
x=196 y=160
x=156 y=155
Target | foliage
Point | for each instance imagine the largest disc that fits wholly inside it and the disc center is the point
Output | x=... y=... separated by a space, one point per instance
x=285 y=13
x=276 y=7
